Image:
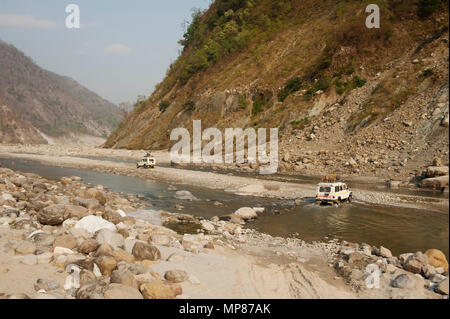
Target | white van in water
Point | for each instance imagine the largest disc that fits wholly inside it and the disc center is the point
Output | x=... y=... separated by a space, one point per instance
x=333 y=193
x=146 y=162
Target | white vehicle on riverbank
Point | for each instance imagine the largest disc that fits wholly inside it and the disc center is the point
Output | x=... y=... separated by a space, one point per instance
x=146 y=162
x=333 y=193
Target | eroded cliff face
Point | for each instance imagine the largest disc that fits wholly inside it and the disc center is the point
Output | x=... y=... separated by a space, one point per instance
x=325 y=80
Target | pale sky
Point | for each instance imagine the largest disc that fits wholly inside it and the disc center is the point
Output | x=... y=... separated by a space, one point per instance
x=122 y=49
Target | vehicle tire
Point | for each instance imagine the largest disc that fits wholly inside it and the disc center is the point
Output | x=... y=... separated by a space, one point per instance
x=350 y=199
x=137 y=166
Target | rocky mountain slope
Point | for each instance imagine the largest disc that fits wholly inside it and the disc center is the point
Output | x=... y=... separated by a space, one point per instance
x=38 y=106
x=346 y=99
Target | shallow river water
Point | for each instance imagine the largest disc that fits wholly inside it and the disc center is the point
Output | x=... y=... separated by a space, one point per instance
x=401 y=230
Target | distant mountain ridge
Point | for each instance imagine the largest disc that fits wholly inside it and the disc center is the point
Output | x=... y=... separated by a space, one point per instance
x=37 y=105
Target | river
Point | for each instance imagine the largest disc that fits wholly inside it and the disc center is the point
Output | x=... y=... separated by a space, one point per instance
x=399 y=229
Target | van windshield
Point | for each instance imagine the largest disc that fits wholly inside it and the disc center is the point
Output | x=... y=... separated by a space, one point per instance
x=325 y=189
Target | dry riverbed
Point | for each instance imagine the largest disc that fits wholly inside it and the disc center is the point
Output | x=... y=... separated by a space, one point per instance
x=53 y=232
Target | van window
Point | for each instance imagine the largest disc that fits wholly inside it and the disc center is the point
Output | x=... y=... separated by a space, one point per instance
x=337 y=189
x=325 y=189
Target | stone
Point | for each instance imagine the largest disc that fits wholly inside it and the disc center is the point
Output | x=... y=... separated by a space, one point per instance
x=75 y=211
x=160 y=239
x=106 y=264
x=207 y=225
x=156 y=289
x=52 y=215
x=26 y=248
x=385 y=253
x=144 y=251
x=404 y=257
x=442 y=287
x=436 y=258
x=88 y=246
x=96 y=194
x=45 y=284
x=94 y=223
x=92 y=290
x=118 y=291
x=18 y=296
x=404 y=281
x=437 y=278
x=413 y=265
x=428 y=271
x=113 y=239
x=354 y=257
x=177 y=289
x=246 y=213
x=124 y=277
x=103 y=250
x=113 y=217
x=176 y=276
x=185 y=195
x=121 y=255
x=209 y=245
x=66 y=241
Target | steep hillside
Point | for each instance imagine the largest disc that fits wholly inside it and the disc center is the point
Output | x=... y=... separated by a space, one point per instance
x=35 y=101
x=340 y=93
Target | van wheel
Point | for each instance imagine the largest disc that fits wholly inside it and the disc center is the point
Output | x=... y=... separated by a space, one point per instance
x=350 y=199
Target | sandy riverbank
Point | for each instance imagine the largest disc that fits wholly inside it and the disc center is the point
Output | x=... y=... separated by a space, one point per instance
x=70 y=157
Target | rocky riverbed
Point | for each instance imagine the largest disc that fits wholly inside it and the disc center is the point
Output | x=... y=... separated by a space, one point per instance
x=64 y=239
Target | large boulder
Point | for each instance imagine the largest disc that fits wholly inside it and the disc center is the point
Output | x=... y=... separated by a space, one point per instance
x=94 y=223
x=246 y=213
x=106 y=264
x=143 y=251
x=435 y=182
x=156 y=289
x=416 y=262
x=52 y=215
x=185 y=195
x=118 y=291
x=435 y=171
x=436 y=258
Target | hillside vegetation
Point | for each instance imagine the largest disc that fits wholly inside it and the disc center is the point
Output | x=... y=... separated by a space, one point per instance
x=35 y=101
x=287 y=63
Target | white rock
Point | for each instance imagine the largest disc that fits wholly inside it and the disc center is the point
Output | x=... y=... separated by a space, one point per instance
x=94 y=223
x=246 y=213
x=207 y=225
x=34 y=233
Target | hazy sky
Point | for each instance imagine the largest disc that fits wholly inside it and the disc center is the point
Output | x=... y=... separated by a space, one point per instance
x=122 y=49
